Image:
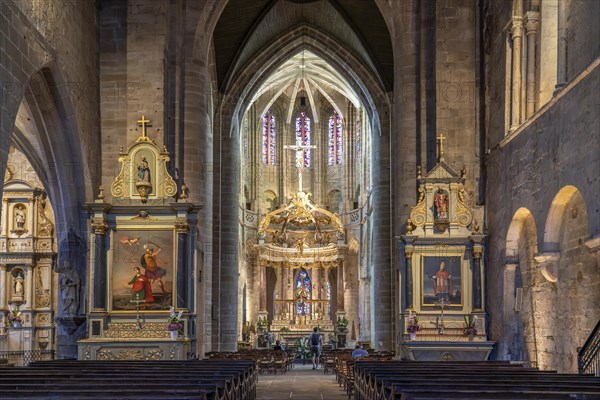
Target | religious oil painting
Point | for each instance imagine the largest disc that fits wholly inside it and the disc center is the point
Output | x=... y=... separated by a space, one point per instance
x=441 y=281
x=142 y=270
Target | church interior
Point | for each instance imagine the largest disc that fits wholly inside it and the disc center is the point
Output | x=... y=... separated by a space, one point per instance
x=416 y=177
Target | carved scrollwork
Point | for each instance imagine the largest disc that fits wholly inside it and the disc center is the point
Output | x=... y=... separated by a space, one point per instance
x=418 y=215
x=464 y=216
x=169 y=186
x=116 y=189
x=129 y=354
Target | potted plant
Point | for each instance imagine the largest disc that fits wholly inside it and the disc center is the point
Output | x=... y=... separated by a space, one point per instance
x=174 y=324
x=413 y=325
x=302 y=350
x=470 y=326
x=342 y=323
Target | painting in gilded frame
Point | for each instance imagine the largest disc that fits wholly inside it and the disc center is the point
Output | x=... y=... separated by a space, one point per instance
x=142 y=270
x=441 y=279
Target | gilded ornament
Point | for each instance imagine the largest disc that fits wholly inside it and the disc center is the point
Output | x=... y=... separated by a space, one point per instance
x=463 y=214
x=418 y=215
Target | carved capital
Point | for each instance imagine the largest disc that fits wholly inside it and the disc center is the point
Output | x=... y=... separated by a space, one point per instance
x=532 y=22
x=100 y=227
x=548 y=263
x=182 y=227
x=477 y=251
x=516 y=29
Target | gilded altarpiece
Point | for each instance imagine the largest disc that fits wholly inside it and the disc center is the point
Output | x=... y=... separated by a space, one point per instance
x=141 y=263
x=27 y=266
x=442 y=283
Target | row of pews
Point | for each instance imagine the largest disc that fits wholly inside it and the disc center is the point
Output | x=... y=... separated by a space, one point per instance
x=267 y=361
x=421 y=380
x=148 y=380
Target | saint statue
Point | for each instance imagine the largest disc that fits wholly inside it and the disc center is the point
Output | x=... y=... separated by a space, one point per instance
x=441 y=205
x=20 y=217
x=19 y=287
x=144 y=171
x=69 y=285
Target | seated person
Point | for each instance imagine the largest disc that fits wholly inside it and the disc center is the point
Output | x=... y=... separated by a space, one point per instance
x=278 y=346
x=359 y=352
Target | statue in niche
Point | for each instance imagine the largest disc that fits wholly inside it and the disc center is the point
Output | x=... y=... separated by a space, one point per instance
x=144 y=171
x=19 y=215
x=69 y=284
x=441 y=205
x=19 y=286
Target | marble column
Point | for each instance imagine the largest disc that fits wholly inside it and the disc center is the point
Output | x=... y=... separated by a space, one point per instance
x=100 y=267
x=477 y=303
x=263 y=292
x=408 y=281
x=183 y=274
x=532 y=23
x=517 y=37
x=29 y=285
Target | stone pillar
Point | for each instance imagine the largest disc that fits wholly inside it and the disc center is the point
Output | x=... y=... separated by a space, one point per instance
x=508 y=310
x=517 y=37
x=29 y=287
x=340 y=285
x=263 y=292
x=561 y=59
x=4 y=217
x=3 y=288
x=99 y=266
x=532 y=23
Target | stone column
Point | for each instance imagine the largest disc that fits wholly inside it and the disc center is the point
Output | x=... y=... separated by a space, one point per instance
x=508 y=310
x=3 y=288
x=517 y=37
x=477 y=303
x=183 y=274
x=29 y=286
x=4 y=217
x=532 y=23
x=100 y=267
x=561 y=59
x=340 y=285
x=263 y=292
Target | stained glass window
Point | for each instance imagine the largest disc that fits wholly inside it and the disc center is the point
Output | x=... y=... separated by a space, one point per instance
x=303 y=292
x=303 y=137
x=245 y=138
x=335 y=139
x=268 y=150
x=358 y=138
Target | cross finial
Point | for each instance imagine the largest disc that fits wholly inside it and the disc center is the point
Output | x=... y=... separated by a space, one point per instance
x=441 y=139
x=142 y=122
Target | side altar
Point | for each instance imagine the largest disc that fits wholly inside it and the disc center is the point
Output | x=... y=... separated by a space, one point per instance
x=444 y=316
x=141 y=266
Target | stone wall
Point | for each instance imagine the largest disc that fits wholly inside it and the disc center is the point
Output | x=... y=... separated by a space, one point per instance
x=555 y=148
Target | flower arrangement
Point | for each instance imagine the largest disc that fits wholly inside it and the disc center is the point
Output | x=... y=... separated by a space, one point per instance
x=14 y=316
x=262 y=323
x=413 y=323
x=341 y=323
x=302 y=350
x=174 y=321
x=471 y=325
x=285 y=329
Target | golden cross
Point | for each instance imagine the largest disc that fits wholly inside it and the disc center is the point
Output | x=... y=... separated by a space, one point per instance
x=142 y=122
x=441 y=139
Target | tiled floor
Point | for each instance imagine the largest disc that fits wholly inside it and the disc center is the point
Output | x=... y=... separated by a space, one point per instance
x=301 y=383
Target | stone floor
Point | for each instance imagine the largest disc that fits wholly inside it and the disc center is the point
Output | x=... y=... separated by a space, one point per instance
x=300 y=383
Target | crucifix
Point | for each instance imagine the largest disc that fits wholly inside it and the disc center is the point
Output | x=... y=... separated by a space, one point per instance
x=300 y=159
x=441 y=139
x=143 y=122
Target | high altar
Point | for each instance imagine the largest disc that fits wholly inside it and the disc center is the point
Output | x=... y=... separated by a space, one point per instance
x=304 y=245
x=443 y=281
x=141 y=264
